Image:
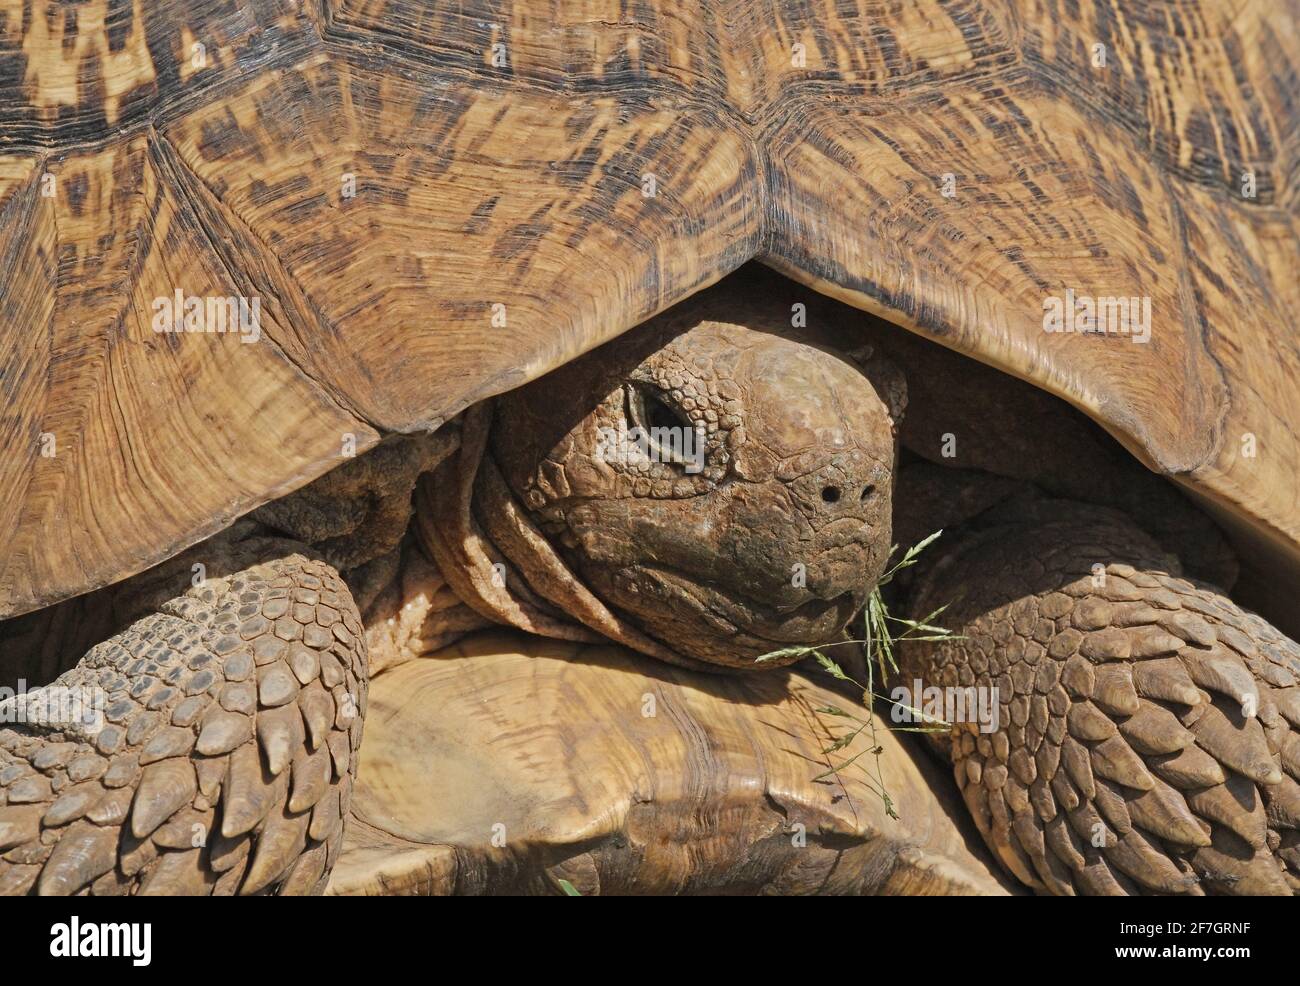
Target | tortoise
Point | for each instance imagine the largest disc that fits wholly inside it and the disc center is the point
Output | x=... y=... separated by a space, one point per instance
x=427 y=208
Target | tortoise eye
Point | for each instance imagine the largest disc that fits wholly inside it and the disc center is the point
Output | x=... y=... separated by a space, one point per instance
x=667 y=431
x=660 y=415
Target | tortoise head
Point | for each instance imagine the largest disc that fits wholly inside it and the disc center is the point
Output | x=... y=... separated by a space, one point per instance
x=725 y=487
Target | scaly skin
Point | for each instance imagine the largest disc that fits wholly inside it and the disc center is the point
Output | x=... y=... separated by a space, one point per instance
x=226 y=752
x=1148 y=737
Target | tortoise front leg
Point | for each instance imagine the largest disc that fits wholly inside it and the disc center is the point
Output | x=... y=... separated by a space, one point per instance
x=1148 y=733
x=223 y=757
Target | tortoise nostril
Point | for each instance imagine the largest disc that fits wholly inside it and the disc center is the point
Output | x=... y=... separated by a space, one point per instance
x=830 y=493
x=868 y=490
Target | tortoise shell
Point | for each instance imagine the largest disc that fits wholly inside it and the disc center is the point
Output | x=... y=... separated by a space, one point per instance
x=420 y=205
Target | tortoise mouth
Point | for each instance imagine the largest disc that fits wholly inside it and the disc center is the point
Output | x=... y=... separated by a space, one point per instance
x=729 y=612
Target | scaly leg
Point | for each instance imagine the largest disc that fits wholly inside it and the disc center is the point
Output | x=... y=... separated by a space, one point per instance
x=1148 y=735
x=224 y=757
